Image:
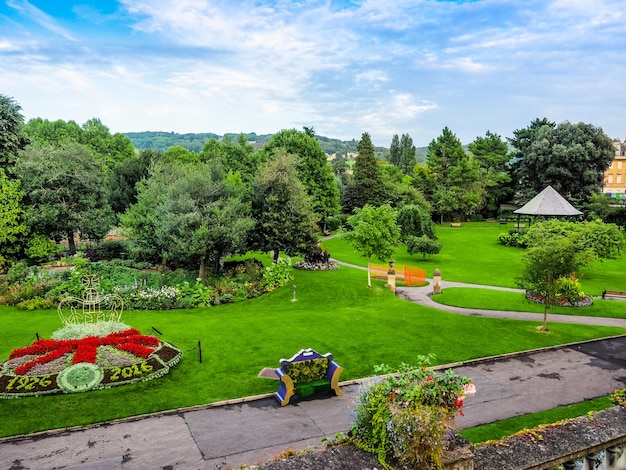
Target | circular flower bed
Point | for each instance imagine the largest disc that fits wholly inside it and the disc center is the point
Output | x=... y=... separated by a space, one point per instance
x=306 y=266
x=85 y=357
x=563 y=302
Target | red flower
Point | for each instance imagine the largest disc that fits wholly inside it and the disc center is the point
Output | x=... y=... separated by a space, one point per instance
x=85 y=349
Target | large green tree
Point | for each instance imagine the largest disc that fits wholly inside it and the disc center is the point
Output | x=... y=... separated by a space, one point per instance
x=491 y=154
x=558 y=249
x=572 y=158
x=12 y=226
x=313 y=168
x=374 y=232
x=12 y=138
x=236 y=156
x=189 y=214
x=109 y=149
x=394 y=151
x=285 y=219
x=65 y=192
x=407 y=155
x=366 y=186
x=459 y=190
x=125 y=175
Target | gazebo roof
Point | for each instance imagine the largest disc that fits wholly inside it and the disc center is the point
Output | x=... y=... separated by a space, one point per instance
x=548 y=203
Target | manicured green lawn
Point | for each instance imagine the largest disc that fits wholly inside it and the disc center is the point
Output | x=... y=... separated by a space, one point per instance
x=473 y=254
x=334 y=311
x=489 y=299
x=508 y=427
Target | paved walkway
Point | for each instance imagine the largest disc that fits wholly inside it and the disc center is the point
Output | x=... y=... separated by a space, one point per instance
x=254 y=430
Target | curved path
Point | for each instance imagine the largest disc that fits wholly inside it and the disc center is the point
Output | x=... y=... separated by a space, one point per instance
x=423 y=296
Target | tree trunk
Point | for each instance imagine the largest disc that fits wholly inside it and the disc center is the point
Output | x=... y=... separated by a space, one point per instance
x=369 y=277
x=70 y=242
x=202 y=271
x=276 y=254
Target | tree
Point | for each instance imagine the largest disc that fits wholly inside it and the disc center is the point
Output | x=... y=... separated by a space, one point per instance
x=459 y=191
x=572 y=158
x=312 y=166
x=285 y=220
x=557 y=250
x=407 y=155
x=12 y=138
x=235 y=157
x=374 y=233
x=423 y=245
x=12 y=226
x=366 y=186
x=109 y=149
x=190 y=213
x=65 y=192
x=492 y=156
x=395 y=151
x=414 y=221
x=124 y=177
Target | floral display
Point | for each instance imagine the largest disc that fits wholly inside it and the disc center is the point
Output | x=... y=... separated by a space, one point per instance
x=119 y=355
x=406 y=415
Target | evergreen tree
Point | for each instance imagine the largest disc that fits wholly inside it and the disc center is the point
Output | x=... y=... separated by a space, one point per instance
x=12 y=138
x=394 y=151
x=366 y=186
x=407 y=155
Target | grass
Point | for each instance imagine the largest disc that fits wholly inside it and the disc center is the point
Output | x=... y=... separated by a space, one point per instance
x=490 y=299
x=508 y=427
x=473 y=254
x=334 y=312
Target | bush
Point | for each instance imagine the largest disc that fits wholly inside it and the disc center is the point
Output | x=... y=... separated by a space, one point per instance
x=333 y=223
x=277 y=274
x=111 y=249
x=36 y=303
x=423 y=245
x=514 y=238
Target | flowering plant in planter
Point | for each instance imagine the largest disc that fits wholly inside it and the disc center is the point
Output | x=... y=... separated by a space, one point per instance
x=406 y=415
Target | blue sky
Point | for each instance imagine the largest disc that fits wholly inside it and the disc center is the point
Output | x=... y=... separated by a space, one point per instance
x=344 y=67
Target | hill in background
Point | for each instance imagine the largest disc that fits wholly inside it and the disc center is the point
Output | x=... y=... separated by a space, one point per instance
x=195 y=141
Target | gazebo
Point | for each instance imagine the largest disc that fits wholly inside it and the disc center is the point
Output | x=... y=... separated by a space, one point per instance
x=548 y=203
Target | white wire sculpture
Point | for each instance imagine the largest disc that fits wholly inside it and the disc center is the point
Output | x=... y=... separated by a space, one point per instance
x=89 y=308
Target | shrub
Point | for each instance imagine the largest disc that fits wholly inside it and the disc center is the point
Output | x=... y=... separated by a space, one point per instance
x=514 y=238
x=36 y=303
x=111 y=249
x=423 y=245
x=406 y=415
x=277 y=274
x=333 y=223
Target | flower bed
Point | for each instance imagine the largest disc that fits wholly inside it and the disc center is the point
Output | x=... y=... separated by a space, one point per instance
x=562 y=302
x=306 y=266
x=51 y=366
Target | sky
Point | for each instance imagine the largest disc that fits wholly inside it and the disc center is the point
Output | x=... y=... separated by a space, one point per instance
x=343 y=67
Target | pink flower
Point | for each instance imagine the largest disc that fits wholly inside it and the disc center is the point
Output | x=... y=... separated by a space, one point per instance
x=469 y=389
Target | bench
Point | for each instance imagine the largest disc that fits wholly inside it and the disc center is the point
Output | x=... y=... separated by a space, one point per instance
x=455 y=224
x=613 y=293
x=306 y=373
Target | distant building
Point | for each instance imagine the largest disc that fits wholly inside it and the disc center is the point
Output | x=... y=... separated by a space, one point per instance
x=615 y=176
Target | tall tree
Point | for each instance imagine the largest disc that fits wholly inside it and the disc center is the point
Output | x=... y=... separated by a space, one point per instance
x=125 y=176
x=366 y=187
x=374 y=233
x=12 y=226
x=110 y=149
x=65 y=192
x=285 y=220
x=572 y=158
x=236 y=157
x=12 y=138
x=407 y=155
x=459 y=190
x=189 y=214
x=492 y=155
x=394 y=151
x=313 y=168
